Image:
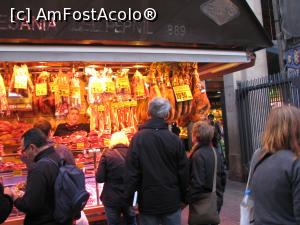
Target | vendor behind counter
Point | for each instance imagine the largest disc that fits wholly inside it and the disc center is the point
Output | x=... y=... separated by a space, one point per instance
x=72 y=124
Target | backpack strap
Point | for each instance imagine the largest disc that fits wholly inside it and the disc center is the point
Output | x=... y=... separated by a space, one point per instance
x=215 y=170
x=47 y=159
x=119 y=154
x=257 y=158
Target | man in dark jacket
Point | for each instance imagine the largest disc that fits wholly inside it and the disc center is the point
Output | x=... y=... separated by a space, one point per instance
x=38 y=200
x=6 y=204
x=157 y=167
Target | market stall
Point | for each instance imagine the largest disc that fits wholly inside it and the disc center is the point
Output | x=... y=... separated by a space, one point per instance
x=110 y=70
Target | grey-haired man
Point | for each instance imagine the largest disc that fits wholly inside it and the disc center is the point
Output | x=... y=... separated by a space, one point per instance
x=157 y=167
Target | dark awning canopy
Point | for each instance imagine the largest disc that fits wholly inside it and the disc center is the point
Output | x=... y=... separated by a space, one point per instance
x=205 y=24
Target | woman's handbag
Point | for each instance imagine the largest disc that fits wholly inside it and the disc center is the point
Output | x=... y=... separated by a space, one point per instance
x=204 y=210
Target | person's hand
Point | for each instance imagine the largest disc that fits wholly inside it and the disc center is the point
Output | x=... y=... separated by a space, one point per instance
x=8 y=191
x=12 y=193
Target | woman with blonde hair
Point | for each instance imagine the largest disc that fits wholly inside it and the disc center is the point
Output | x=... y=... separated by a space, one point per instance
x=111 y=171
x=276 y=177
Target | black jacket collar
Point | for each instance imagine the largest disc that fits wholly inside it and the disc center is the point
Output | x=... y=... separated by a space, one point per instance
x=44 y=153
x=155 y=123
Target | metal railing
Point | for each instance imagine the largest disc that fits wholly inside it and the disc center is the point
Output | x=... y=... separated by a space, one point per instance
x=255 y=98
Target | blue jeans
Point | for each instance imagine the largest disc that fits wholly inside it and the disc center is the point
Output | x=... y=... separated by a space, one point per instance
x=163 y=219
x=113 y=215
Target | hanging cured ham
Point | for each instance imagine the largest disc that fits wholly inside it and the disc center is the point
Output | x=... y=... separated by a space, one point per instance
x=175 y=82
x=200 y=102
x=166 y=88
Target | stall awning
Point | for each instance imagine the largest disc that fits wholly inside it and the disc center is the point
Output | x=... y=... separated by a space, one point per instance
x=197 y=24
x=117 y=54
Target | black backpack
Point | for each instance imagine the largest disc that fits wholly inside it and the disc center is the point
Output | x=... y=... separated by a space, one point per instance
x=69 y=190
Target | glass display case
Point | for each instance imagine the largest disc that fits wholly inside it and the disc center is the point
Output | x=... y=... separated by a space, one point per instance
x=13 y=174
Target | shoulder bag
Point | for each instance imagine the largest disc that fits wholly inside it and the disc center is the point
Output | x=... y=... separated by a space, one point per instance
x=204 y=210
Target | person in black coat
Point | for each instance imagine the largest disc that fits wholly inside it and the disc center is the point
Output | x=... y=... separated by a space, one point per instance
x=202 y=165
x=38 y=200
x=276 y=179
x=157 y=167
x=6 y=205
x=111 y=171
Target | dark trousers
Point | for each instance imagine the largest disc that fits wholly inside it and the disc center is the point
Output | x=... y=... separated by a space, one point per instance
x=113 y=215
x=163 y=219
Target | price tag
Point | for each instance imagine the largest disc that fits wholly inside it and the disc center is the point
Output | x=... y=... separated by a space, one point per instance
x=41 y=89
x=122 y=82
x=133 y=103
x=115 y=105
x=140 y=91
x=64 y=92
x=80 y=145
x=21 y=81
x=101 y=108
x=75 y=92
x=17 y=172
x=97 y=88
x=127 y=104
x=53 y=87
x=80 y=165
x=110 y=87
x=182 y=93
x=106 y=142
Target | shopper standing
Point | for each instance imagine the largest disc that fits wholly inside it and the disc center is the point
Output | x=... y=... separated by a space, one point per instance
x=38 y=200
x=202 y=165
x=276 y=177
x=111 y=171
x=157 y=167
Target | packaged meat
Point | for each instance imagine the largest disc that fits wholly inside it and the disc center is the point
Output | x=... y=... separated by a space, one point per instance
x=3 y=96
x=138 y=86
x=44 y=97
x=122 y=84
x=62 y=94
x=21 y=82
x=75 y=97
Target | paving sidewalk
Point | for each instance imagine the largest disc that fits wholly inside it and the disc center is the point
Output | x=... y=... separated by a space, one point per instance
x=230 y=214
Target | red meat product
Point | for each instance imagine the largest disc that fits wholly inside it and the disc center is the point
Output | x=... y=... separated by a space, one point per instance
x=169 y=93
x=154 y=89
x=45 y=104
x=175 y=82
x=114 y=117
x=200 y=102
